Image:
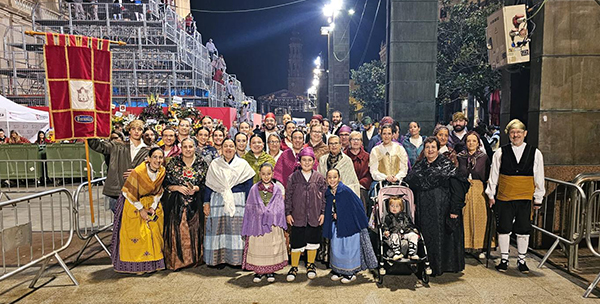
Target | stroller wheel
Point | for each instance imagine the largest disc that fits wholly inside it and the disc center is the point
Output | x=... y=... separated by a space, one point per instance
x=425 y=277
x=380 y=280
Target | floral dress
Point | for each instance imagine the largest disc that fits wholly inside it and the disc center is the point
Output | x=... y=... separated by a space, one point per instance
x=184 y=221
x=208 y=153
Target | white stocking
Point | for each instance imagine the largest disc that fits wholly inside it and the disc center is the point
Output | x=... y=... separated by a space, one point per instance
x=504 y=245
x=522 y=244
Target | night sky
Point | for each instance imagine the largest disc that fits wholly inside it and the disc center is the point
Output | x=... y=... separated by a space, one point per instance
x=255 y=44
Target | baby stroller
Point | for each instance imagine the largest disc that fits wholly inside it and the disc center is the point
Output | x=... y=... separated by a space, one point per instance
x=403 y=266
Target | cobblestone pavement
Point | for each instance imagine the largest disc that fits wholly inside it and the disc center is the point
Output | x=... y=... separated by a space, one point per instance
x=477 y=284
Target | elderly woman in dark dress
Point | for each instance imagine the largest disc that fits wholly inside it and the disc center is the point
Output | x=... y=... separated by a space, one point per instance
x=439 y=199
x=473 y=164
x=442 y=133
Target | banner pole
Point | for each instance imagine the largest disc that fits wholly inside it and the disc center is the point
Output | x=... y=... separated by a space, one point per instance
x=34 y=33
x=89 y=177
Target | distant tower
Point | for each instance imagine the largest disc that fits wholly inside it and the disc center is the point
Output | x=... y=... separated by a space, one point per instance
x=296 y=81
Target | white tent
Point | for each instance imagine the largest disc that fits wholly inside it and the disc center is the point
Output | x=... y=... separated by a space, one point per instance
x=26 y=121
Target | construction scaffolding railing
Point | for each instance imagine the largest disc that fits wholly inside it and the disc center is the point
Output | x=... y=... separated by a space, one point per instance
x=87 y=229
x=35 y=229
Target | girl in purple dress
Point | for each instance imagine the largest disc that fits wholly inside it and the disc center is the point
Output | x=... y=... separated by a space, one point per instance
x=265 y=249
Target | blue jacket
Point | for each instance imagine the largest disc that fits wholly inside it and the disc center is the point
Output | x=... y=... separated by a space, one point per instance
x=412 y=151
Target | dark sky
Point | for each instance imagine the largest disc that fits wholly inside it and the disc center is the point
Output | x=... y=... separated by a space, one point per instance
x=255 y=44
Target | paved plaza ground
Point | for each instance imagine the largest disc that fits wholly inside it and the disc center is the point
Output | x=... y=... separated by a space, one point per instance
x=100 y=284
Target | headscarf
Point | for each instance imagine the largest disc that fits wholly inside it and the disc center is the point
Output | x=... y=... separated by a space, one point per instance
x=345 y=129
x=306 y=151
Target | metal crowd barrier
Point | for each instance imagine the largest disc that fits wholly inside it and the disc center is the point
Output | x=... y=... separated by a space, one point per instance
x=32 y=221
x=590 y=182
x=565 y=200
x=592 y=208
x=103 y=217
x=26 y=176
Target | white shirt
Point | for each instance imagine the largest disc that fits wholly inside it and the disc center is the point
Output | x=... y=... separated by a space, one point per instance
x=443 y=149
x=211 y=47
x=134 y=150
x=370 y=133
x=307 y=175
x=278 y=155
x=380 y=151
x=460 y=134
x=416 y=141
x=538 y=172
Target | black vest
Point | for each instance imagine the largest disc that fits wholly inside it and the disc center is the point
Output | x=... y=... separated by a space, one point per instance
x=509 y=165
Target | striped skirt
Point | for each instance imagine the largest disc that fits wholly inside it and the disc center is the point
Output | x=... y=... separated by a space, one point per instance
x=223 y=240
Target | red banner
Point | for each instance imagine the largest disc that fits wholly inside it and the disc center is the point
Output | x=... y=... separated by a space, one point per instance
x=78 y=79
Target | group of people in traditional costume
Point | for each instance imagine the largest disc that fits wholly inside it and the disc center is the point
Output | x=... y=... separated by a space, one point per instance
x=258 y=200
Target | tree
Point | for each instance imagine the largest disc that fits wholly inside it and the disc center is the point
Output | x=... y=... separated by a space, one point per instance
x=370 y=87
x=462 y=61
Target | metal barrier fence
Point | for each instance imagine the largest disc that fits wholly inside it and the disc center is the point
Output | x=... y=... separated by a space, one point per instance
x=103 y=218
x=592 y=210
x=32 y=221
x=563 y=200
x=25 y=176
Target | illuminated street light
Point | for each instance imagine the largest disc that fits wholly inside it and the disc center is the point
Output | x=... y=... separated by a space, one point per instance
x=318 y=61
x=328 y=10
x=351 y=12
x=337 y=5
x=315 y=82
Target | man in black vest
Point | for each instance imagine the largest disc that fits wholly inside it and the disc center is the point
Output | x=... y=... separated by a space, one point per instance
x=518 y=173
x=336 y=122
x=368 y=132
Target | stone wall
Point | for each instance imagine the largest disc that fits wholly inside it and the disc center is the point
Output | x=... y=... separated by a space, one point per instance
x=564 y=93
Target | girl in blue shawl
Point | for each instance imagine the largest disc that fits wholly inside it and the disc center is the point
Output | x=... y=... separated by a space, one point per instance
x=345 y=225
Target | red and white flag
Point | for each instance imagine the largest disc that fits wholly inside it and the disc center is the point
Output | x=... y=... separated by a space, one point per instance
x=79 y=83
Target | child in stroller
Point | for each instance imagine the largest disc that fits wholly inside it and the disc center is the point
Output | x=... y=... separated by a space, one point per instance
x=396 y=227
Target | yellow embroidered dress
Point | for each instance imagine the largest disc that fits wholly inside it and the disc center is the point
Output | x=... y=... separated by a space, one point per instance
x=137 y=244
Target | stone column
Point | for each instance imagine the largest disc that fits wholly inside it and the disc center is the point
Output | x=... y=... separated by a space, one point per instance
x=411 y=62
x=338 y=61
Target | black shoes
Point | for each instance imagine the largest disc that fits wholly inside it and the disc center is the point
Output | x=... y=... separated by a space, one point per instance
x=503 y=266
x=523 y=267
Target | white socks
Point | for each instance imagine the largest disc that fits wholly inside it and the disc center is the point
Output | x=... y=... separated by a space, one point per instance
x=522 y=244
x=504 y=245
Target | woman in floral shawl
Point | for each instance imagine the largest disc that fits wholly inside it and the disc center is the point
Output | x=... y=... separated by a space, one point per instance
x=257 y=156
x=439 y=199
x=264 y=224
x=184 y=221
x=137 y=239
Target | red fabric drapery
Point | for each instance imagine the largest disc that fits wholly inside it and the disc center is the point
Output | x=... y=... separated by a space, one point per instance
x=78 y=79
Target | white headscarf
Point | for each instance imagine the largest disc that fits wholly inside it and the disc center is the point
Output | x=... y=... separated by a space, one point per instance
x=222 y=177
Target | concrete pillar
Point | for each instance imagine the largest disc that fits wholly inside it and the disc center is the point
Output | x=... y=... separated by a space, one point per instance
x=338 y=62
x=412 y=61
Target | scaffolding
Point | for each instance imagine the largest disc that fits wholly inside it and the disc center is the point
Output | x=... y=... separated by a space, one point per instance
x=162 y=57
